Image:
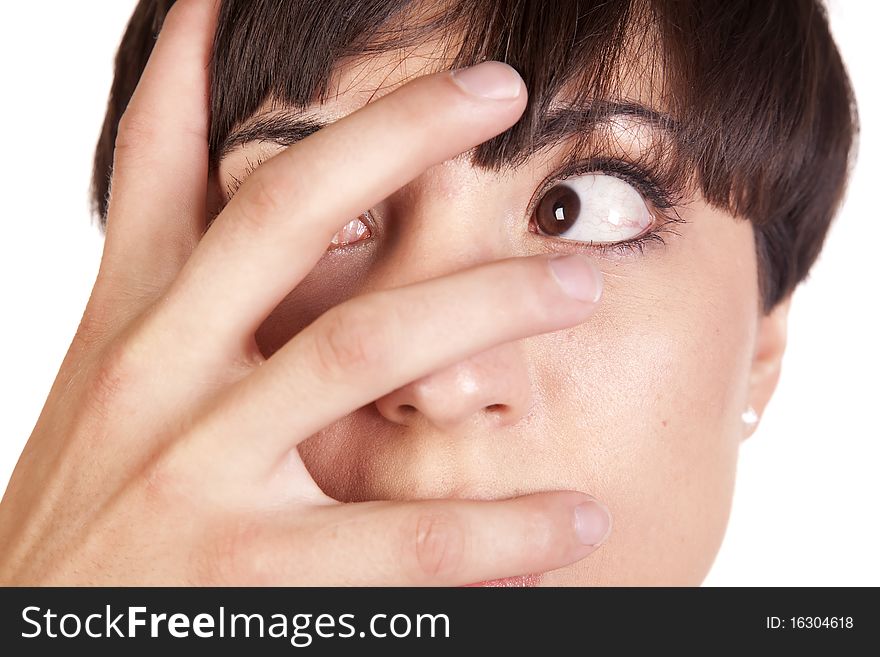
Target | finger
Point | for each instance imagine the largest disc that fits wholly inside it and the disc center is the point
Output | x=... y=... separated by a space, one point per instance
x=160 y=169
x=282 y=219
x=375 y=343
x=435 y=543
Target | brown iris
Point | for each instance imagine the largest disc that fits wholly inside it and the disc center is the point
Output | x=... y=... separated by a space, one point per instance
x=558 y=210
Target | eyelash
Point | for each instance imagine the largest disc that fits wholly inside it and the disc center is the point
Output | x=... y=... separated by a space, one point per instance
x=661 y=200
x=631 y=174
x=233 y=186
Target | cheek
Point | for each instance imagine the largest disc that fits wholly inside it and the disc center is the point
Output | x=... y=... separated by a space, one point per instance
x=662 y=381
x=335 y=279
x=658 y=445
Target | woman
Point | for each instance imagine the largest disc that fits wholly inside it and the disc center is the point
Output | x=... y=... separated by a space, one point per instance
x=559 y=292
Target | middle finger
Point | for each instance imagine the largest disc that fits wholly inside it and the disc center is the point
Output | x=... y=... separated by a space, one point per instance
x=377 y=342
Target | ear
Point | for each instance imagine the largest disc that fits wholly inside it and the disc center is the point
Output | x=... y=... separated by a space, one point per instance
x=770 y=342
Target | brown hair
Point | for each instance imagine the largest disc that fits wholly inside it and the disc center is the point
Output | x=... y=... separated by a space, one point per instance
x=759 y=104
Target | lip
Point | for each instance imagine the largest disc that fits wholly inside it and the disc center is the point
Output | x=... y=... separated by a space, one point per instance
x=519 y=581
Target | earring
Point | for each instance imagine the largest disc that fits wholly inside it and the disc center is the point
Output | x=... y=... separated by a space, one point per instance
x=750 y=417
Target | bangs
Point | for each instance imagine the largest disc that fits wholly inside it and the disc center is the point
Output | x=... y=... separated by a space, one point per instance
x=730 y=77
x=747 y=101
x=761 y=114
x=571 y=55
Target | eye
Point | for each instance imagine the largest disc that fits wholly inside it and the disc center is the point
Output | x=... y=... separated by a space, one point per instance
x=355 y=230
x=594 y=208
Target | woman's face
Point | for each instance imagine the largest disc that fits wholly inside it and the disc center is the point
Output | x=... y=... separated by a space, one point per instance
x=640 y=406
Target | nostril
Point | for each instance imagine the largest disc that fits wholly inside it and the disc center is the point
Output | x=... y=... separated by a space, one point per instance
x=500 y=414
x=407 y=409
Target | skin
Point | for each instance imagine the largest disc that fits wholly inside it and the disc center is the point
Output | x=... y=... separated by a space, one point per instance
x=640 y=406
x=207 y=421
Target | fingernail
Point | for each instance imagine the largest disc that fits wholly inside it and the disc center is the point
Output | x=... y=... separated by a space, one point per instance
x=577 y=277
x=592 y=522
x=494 y=80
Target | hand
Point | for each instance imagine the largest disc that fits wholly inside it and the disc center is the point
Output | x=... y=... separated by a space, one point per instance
x=166 y=450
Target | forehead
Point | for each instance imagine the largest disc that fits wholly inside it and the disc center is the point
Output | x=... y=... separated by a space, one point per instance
x=614 y=51
x=355 y=52
x=577 y=125
x=592 y=83
x=357 y=81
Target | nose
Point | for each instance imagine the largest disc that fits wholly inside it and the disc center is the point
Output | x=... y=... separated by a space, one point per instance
x=492 y=388
x=489 y=389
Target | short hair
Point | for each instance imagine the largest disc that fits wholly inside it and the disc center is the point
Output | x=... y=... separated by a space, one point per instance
x=760 y=109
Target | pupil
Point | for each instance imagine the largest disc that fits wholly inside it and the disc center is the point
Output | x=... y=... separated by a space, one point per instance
x=558 y=210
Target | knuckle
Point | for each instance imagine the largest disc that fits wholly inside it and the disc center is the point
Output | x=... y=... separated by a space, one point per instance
x=537 y=285
x=93 y=330
x=163 y=483
x=112 y=373
x=546 y=531
x=261 y=200
x=232 y=556
x=438 y=545
x=134 y=132
x=349 y=341
x=116 y=374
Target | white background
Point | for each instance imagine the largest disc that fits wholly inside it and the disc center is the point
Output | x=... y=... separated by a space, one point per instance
x=805 y=509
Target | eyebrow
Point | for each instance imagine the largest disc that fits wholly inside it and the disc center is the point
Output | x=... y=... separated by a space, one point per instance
x=286 y=127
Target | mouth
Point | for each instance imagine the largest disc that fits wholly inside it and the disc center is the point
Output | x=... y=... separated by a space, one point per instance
x=511 y=582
